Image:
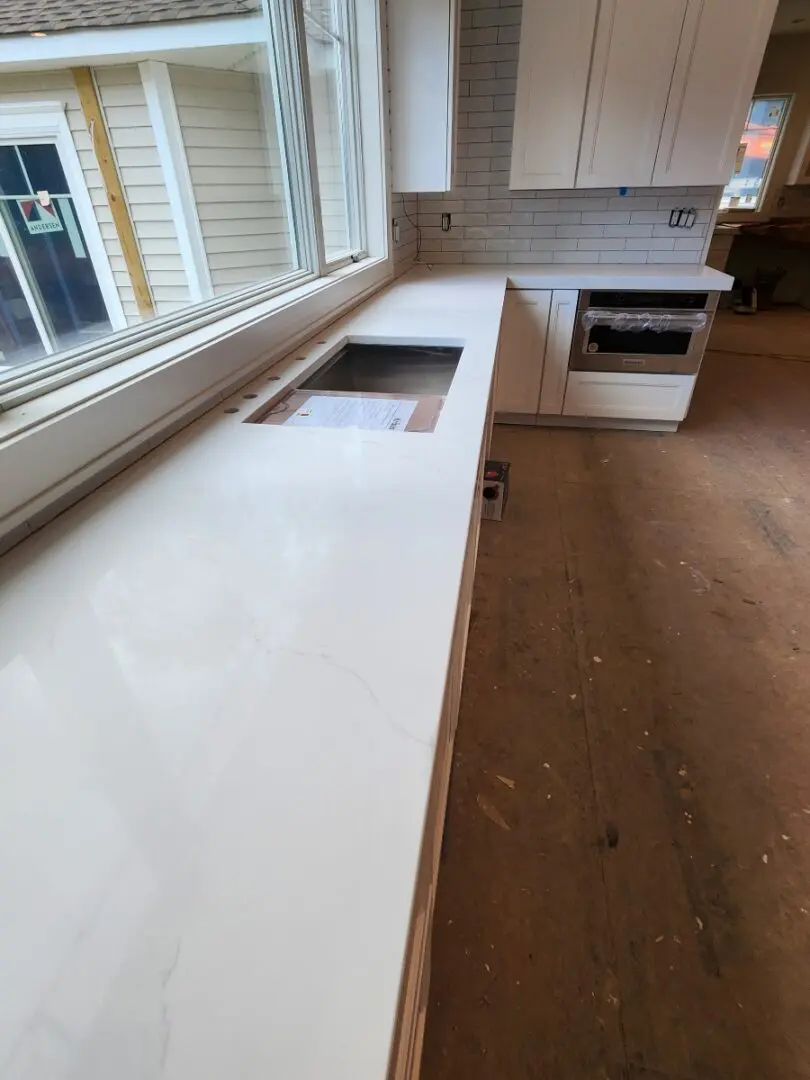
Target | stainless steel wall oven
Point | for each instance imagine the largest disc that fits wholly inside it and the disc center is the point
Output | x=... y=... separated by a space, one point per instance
x=654 y=332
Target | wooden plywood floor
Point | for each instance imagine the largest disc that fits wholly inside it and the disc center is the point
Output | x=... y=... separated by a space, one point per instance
x=632 y=899
x=784 y=331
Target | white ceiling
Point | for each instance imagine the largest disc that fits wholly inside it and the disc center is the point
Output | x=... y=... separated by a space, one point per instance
x=792 y=17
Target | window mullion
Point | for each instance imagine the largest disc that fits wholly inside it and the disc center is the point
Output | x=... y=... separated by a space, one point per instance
x=350 y=123
x=294 y=109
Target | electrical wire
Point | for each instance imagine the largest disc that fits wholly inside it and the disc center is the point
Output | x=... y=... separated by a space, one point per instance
x=415 y=225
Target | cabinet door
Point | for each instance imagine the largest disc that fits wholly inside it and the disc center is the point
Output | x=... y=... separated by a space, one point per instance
x=718 y=62
x=555 y=54
x=422 y=52
x=633 y=60
x=522 y=346
x=558 y=349
x=620 y=396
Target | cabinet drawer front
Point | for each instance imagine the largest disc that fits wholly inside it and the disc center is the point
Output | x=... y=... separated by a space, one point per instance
x=628 y=397
x=633 y=60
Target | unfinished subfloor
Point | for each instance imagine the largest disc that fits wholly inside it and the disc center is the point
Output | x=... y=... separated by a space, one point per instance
x=625 y=884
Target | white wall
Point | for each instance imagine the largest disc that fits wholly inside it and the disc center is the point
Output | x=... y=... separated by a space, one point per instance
x=235 y=169
x=493 y=224
x=50 y=86
x=122 y=100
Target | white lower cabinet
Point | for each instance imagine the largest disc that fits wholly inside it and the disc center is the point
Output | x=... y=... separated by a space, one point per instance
x=558 y=349
x=536 y=332
x=521 y=351
x=406 y=1057
x=533 y=382
x=617 y=395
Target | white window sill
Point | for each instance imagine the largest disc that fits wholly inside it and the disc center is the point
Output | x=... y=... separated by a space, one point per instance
x=56 y=448
x=743 y=217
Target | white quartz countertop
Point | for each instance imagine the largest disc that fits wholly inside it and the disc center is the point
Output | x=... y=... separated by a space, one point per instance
x=221 y=678
x=667 y=278
x=601 y=276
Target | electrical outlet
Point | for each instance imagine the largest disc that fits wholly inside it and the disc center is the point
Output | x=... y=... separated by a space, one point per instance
x=445 y=223
x=682 y=217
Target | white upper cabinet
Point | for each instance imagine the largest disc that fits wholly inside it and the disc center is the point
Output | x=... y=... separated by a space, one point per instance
x=715 y=74
x=633 y=59
x=634 y=92
x=555 y=54
x=422 y=57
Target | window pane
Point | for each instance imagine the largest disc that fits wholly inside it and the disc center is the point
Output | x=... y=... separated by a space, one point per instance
x=194 y=137
x=329 y=56
x=43 y=168
x=755 y=154
x=19 y=338
x=11 y=174
x=228 y=124
x=50 y=247
x=58 y=267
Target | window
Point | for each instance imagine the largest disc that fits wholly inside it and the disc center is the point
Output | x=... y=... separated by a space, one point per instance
x=52 y=284
x=757 y=149
x=137 y=198
x=331 y=91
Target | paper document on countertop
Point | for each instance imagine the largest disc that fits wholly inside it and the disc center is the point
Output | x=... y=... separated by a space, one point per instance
x=370 y=414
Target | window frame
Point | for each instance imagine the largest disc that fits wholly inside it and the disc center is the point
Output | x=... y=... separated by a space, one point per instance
x=764 y=202
x=79 y=419
x=349 y=122
x=286 y=44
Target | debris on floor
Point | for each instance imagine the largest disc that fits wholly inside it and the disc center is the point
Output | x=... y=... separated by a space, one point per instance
x=492 y=813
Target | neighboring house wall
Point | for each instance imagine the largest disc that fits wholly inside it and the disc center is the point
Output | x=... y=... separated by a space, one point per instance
x=236 y=173
x=122 y=99
x=50 y=86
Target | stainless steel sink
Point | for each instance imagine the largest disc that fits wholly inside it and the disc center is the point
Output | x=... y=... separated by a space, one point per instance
x=388 y=369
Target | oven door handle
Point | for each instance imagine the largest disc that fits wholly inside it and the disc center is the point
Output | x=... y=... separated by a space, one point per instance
x=636 y=321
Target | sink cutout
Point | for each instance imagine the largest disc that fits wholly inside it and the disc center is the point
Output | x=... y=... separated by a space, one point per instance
x=388 y=369
x=373 y=387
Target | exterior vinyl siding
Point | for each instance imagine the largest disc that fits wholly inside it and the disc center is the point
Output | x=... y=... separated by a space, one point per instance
x=133 y=141
x=236 y=174
x=50 y=86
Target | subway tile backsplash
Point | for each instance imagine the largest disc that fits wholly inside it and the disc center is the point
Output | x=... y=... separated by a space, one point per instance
x=492 y=224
